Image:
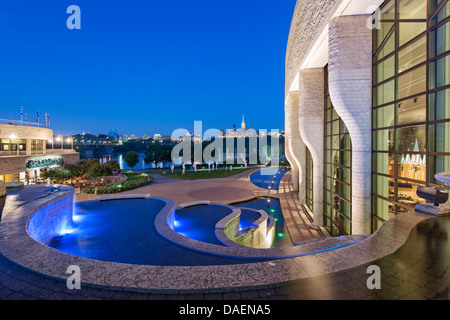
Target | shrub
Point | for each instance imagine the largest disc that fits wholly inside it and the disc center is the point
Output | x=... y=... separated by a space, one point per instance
x=126 y=186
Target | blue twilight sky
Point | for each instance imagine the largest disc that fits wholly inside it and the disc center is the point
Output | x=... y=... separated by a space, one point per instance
x=145 y=66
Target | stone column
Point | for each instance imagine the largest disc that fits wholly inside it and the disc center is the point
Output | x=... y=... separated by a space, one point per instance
x=311 y=125
x=296 y=145
x=28 y=147
x=350 y=85
x=290 y=159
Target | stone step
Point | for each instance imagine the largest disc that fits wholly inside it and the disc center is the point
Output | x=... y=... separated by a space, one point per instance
x=319 y=244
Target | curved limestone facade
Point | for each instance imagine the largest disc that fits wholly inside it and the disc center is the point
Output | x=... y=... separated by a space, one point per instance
x=333 y=35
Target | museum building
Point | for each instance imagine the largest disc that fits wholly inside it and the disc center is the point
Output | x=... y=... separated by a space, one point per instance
x=367 y=109
x=24 y=153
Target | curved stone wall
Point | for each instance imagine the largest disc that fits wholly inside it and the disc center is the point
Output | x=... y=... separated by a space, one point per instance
x=310 y=18
x=259 y=235
x=350 y=86
x=52 y=221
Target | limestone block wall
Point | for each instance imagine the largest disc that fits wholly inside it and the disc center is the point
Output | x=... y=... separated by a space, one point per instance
x=16 y=164
x=289 y=152
x=350 y=85
x=25 y=132
x=309 y=20
x=311 y=126
x=296 y=145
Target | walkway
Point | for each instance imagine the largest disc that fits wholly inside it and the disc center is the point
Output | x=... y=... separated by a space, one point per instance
x=220 y=190
x=296 y=217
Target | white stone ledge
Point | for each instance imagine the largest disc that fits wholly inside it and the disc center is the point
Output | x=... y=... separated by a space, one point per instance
x=123 y=196
x=193 y=204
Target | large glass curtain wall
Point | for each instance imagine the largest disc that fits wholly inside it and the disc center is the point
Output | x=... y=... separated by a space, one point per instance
x=411 y=110
x=337 y=171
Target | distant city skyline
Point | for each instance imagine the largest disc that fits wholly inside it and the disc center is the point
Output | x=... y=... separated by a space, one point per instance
x=148 y=68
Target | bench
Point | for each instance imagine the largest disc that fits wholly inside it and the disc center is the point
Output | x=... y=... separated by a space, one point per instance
x=434 y=195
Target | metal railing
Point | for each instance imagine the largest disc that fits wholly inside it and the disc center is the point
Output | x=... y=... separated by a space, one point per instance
x=23 y=123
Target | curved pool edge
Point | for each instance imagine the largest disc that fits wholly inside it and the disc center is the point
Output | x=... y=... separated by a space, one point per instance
x=17 y=246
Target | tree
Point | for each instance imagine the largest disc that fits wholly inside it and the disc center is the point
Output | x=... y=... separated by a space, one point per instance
x=113 y=164
x=58 y=175
x=100 y=170
x=76 y=170
x=132 y=159
x=88 y=164
x=158 y=153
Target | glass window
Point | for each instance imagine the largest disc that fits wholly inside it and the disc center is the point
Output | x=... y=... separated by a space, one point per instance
x=328 y=129
x=411 y=166
x=385 y=69
x=412 y=9
x=335 y=142
x=439 y=137
x=412 y=82
x=346 y=143
x=383 y=186
x=407 y=193
x=412 y=110
x=412 y=55
x=384 y=93
x=411 y=131
x=438 y=164
x=335 y=126
x=441 y=15
x=337 y=177
x=345 y=175
x=382 y=32
x=388 y=10
x=439 y=39
x=388 y=47
x=335 y=115
x=383 y=163
x=439 y=105
x=383 y=117
x=346 y=158
x=384 y=209
x=36 y=145
x=411 y=139
x=410 y=30
x=439 y=72
x=383 y=140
